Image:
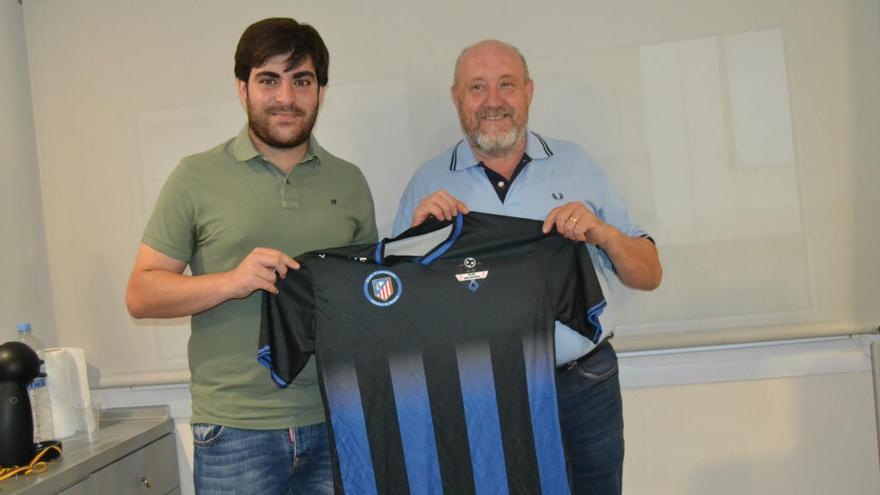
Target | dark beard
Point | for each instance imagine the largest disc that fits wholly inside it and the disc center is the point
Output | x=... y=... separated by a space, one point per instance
x=262 y=131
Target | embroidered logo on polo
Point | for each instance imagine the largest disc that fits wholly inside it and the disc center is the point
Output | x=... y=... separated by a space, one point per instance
x=471 y=275
x=382 y=288
x=557 y=196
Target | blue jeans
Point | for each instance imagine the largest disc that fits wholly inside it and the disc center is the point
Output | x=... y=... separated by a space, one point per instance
x=591 y=418
x=235 y=461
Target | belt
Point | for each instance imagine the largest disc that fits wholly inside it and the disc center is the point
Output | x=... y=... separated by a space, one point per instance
x=571 y=364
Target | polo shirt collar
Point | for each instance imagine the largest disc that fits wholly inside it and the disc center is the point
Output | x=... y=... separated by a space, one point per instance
x=243 y=148
x=463 y=157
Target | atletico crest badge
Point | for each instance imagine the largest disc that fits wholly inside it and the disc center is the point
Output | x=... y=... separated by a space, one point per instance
x=382 y=288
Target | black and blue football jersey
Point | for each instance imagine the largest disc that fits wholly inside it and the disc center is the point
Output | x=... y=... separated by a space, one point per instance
x=435 y=353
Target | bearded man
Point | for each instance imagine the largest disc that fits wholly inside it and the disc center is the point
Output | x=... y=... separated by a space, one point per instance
x=502 y=167
x=236 y=214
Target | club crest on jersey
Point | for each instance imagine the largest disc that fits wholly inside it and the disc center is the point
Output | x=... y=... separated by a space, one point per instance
x=382 y=288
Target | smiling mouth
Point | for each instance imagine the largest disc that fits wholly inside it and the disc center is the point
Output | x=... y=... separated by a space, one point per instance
x=495 y=120
x=494 y=115
x=286 y=112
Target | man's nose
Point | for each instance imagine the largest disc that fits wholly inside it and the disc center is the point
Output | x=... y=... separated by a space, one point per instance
x=285 y=93
x=493 y=97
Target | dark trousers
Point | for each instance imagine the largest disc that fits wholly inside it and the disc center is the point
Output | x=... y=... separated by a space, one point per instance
x=591 y=418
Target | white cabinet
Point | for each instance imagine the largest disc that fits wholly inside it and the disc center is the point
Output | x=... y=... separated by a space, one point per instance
x=149 y=470
x=134 y=452
x=84 y=487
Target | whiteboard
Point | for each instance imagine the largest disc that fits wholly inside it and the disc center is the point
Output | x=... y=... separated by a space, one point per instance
x=698 y=134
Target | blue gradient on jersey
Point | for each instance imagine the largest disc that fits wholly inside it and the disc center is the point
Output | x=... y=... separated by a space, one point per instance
x=416 y=424
x=264 y=357
x=593 y=317
x=349 y=430
x=540 y=378
x=481 y=417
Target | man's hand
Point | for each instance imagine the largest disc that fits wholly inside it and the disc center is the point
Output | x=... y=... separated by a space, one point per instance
x=634 y=258
x=441 y=205
x=258 y=270
x=576 y=222
x=158 y=289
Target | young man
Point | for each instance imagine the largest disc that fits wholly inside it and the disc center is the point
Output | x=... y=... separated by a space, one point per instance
x=506 y=169
x=236 y=214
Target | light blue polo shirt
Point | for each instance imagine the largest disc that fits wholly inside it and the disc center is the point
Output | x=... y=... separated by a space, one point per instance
x=559 y=172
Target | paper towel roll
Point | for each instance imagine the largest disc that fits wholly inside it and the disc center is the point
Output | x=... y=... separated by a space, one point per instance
x=68 y=386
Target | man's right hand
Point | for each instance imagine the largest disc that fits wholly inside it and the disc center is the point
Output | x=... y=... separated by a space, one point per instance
x=159 y=289
x=441 y=205
x=258 y=270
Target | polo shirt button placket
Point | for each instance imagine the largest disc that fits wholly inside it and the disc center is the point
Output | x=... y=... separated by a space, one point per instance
x=289 y=194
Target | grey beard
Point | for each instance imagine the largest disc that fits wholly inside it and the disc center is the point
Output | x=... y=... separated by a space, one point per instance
x=498 y=146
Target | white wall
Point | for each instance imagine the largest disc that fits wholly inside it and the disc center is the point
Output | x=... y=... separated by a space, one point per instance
x=792 y=418
x=805 y=436
x=25 y=293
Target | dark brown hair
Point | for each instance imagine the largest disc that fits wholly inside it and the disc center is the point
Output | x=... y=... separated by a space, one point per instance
x=268 y=38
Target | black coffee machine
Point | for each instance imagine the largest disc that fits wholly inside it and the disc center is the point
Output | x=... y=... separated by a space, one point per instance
x=19 y=366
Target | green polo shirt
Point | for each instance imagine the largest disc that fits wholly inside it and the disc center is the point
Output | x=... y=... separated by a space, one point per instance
x=213 y=210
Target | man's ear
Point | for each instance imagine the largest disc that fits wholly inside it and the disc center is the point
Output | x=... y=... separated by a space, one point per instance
x=241 y=87
x=530 y=90
x=322 y=90
x=453 y=93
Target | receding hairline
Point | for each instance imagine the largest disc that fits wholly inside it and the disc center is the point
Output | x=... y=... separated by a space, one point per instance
x=503 y=44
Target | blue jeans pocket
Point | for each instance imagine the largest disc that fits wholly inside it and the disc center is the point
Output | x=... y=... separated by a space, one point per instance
x=598 y=367
x=594 y=373
x=206 y=434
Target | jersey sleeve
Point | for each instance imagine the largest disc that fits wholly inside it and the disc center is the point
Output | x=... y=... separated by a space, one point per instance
x=287 y=330
x=574 y=289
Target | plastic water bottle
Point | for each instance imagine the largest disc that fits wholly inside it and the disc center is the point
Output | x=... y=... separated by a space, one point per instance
x=38 y=392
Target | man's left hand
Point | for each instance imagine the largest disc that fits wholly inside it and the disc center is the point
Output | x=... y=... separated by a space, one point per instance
x=576 y=222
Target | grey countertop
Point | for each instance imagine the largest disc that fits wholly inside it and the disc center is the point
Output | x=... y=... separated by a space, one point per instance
x=122 y=431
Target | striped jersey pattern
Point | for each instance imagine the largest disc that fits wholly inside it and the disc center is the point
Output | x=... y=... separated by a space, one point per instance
x=436 y=359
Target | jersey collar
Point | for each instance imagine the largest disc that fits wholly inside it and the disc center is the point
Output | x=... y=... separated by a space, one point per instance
x=463 y=156
x=429 y=252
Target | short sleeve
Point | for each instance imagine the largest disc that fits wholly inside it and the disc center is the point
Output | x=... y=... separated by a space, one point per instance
x=574 y=289
x=287 y=330
x=613 y=211
x=170 y=227
x=408 y=203
x=366 y=232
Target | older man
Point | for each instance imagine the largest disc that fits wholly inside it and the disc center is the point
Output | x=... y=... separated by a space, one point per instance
x=505 y=168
